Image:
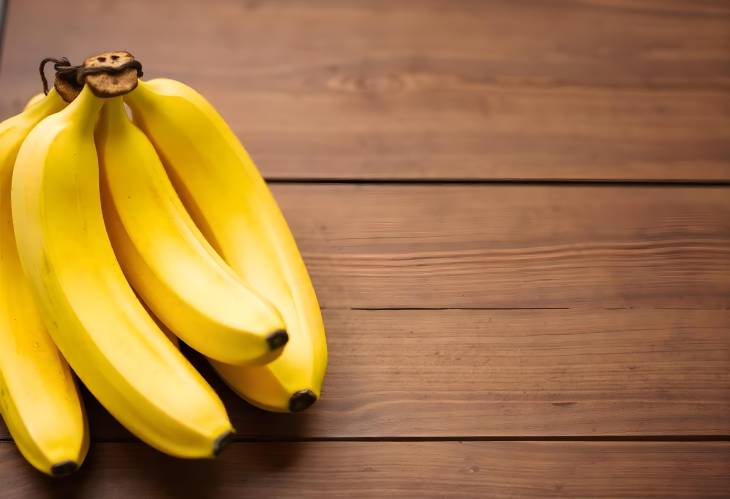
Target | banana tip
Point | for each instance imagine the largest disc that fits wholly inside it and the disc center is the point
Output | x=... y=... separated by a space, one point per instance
x=301 y=400
x=64 y=468
x=220 y=442
x=277 y=339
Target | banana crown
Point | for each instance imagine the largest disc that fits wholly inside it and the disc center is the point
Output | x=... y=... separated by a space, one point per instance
x=123 y=231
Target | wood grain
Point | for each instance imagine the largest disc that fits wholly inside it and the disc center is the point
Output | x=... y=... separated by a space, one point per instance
x=480 y=373
x=491 y=313
x=585 y=370
x=390 y=469
x=562 y=89
x=384 y=246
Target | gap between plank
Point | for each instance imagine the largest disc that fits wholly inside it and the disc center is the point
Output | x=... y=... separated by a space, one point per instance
x=376 y=309
x=416 y=309
x=503 y=181
x=508 y=438
x=456 y=438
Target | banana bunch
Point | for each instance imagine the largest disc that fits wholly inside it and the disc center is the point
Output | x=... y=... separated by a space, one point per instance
x=118 y=232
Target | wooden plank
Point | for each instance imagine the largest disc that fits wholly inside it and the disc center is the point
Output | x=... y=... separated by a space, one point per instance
x=477 y=373
x=541 y=373
x=390 y=469
x=566 y=89
x=513 y=245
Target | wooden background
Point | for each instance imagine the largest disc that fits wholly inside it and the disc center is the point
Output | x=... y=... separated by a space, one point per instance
x=517 y=218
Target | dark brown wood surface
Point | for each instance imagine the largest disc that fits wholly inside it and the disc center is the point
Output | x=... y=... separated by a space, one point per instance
x=570 y=89
x=505 y=373
x=534 y=337
x=517 y=246
x=392 y=469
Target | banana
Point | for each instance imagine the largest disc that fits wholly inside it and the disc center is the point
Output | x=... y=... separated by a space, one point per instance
x=169 y=334
x=230 y=202
x=36 y=99
x=91 y=312
x=186 y=284
x=38 y=397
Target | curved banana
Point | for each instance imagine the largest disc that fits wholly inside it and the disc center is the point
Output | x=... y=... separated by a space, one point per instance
x=92 y=313
x=169 y=334
x=38 y=397
x=168 y=261
x=234 y=208
x=39 y=97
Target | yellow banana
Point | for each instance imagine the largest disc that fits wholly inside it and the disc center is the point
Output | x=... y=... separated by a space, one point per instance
x=38 y=397
x=39 y=97
x=91 y=312
x=168 y=261
x=234 y=208
x=169 y=334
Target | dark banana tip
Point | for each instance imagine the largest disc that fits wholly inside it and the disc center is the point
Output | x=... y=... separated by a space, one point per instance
x=301 y=400
x=64 y=468
x=277 y=339
x=222 y=441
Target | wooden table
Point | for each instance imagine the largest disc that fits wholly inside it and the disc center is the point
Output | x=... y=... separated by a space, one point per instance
x=517 y=218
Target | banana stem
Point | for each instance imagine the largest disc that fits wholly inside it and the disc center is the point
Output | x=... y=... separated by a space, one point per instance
x=109 y=74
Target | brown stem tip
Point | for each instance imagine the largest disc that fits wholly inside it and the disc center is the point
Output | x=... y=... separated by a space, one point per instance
x=111 y=74
x=108 y=74
x=301 y=400
x=64 y=468
x=277 y=339
x=222 y=441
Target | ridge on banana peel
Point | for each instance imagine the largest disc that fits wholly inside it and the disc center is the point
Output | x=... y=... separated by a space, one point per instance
x=39 y=400
x=91 y=312
x=169 y=263
x=39 y=97
x=230 y=202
